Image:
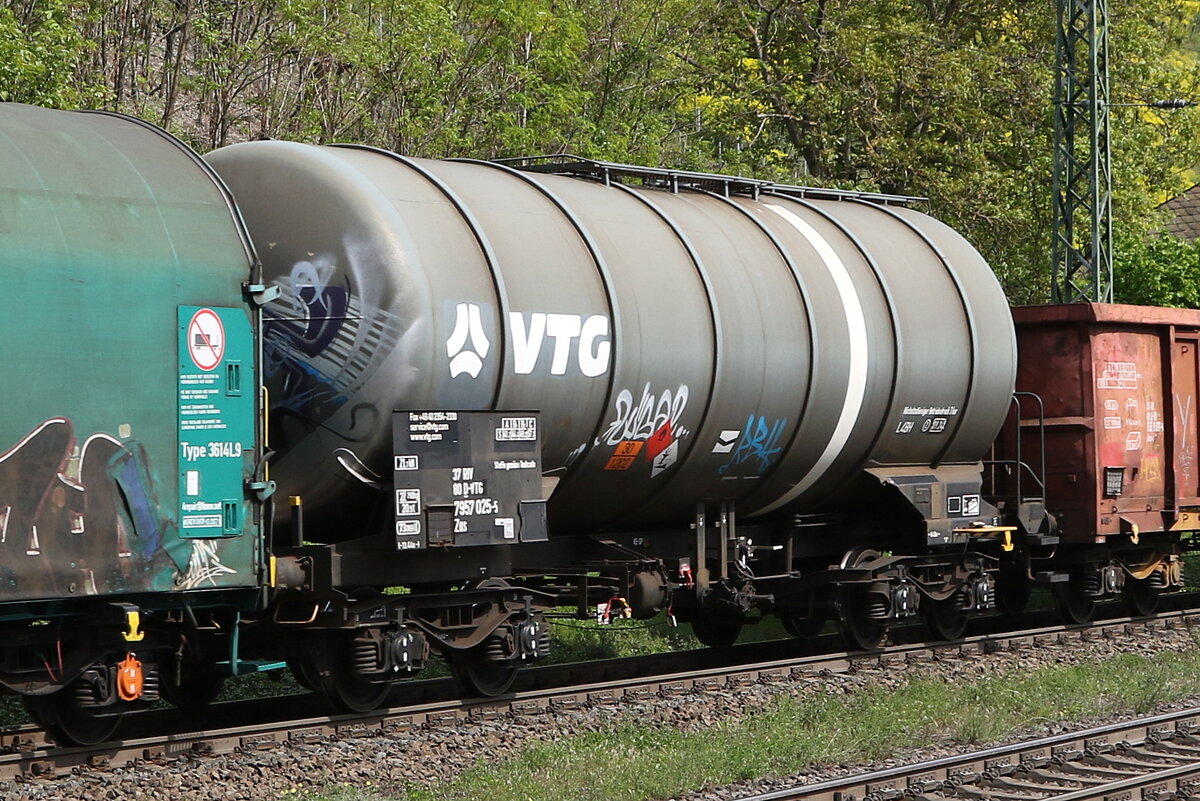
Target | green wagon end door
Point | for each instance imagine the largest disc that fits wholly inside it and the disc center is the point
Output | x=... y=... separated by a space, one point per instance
x=216 y=419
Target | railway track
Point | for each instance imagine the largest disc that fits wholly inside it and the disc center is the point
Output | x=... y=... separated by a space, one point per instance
x=1155 y=759
x=28 y=756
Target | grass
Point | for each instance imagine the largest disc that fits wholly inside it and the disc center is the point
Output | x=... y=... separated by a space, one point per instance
x=1191 y=570
x=337 y=792
x=585 y=640
x=636 y=762
x=260 y=685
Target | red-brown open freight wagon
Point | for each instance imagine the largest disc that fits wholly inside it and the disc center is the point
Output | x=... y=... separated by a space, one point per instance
x=1119 y=388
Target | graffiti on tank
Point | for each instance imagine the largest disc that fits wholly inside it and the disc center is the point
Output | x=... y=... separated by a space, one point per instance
x=650 y=415
x=758 y=444
x=204 y=566
x=312 y=311
x=574 y=455
x=83 y=520
x=587 y=338
x=356 y=468
x=322 y=340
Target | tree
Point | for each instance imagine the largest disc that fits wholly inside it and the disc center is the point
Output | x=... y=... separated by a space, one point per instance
x=41 y=49
x=1156 y=271
x=937 y=98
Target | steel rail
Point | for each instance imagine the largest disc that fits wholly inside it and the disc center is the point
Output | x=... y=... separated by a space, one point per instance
x=1114 y=760
x=30 y=756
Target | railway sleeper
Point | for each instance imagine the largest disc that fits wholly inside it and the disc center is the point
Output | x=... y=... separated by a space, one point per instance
x=990 y=792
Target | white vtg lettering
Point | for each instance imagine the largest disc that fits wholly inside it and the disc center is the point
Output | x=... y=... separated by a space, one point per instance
x=589 y=334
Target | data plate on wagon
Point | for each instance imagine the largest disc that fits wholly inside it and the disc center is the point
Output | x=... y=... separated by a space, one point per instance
x=467 y=478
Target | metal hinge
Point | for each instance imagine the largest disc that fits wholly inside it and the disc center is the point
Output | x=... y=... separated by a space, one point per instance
x=261 y=294
x=261 y=489
x=259 y=484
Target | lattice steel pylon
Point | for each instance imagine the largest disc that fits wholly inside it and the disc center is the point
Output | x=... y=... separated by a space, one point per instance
x=1082 y=212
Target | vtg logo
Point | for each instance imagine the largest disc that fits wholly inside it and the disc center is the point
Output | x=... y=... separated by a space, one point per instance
x=468 y=325
x=589 y=335
x=585 y=337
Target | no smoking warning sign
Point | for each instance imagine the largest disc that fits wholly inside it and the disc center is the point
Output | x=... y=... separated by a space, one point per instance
x=206 y=339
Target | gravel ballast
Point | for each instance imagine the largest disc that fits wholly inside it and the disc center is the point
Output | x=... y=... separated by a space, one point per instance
x=434 y=754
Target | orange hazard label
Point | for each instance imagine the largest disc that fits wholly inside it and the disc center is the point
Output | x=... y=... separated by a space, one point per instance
x=629 y=447
x=625 y=455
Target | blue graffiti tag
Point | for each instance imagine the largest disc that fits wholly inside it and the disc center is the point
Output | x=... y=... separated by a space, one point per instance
x=758 y=441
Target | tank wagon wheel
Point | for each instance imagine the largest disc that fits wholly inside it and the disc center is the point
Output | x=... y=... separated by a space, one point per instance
x=1141 y=596
x=1012 y=589
x=479 y=673
x=1072 y=603
x=802 y=626
x=198 y=685
x=945 y=619
x=328 y=664
x=482 y=670
x=853 y=603
x=858 y=630
x=67 y=722
x=300 y=672
x=717 y=630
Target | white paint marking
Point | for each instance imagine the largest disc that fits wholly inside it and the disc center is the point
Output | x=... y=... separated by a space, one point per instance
x=727 y=439
x=856 y=328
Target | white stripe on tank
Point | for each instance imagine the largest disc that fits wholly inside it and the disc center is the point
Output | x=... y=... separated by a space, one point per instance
x=856 y=329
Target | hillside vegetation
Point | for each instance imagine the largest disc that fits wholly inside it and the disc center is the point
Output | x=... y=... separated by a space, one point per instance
x=942 y=98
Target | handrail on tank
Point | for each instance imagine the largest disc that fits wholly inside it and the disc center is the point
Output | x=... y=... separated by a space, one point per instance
x=676 y=180
x=1039 y=477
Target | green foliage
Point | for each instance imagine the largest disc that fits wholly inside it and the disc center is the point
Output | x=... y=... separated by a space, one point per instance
x=945 y=100
x=789 y=734
x=40 y=49
x=1153 y=151
x=585 y=640
x=260 y=685
x=938 y=98
x=950 y=101
x=1156 y=270
x=478 y=77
